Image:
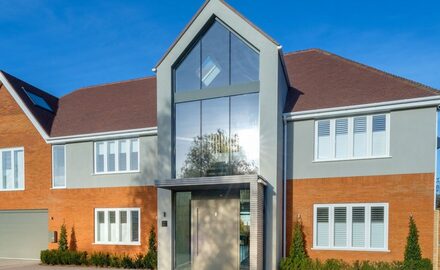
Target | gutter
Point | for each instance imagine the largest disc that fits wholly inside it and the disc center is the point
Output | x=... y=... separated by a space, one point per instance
x=151 y=131
x=364 y=108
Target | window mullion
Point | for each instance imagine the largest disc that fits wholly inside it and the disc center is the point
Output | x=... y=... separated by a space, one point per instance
x=349 y=226
x=367 y=226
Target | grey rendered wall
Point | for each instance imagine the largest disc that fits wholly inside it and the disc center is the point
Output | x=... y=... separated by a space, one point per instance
x=80 y=166
x=412 y=149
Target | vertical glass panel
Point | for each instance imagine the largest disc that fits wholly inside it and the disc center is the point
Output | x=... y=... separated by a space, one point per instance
x=111 y=156
x=245 y=223
x=122 y=155
x=8 y=182
x=134 y=226
x=123 y=227
x=324 y=149
x=134 y=154
x=19 y=169
x=215 y=137
x=377 y=227
x=112 y=229
x=188 y=145
x=59 y=178
x=244 y=62
x=379 y=135
x=358 y=218
x=322 y=230
x=244 y=143
x=340 y=230
x=100 y=152
x=215 y=57
x=182 y=232
x=187 y=76
x=341 y=128
x=360 y=136
x=100 y=226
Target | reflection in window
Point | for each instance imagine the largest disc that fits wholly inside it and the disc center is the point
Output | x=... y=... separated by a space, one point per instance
x=220 y=58
x=245 y=225
x=225 y=142
x=182 y=246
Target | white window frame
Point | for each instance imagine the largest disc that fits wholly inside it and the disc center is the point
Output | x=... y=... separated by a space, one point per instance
x=53 y=167
x=116 y=171
x=349 y=207
x=118 y=220
x=12 y=166
x=369 y=135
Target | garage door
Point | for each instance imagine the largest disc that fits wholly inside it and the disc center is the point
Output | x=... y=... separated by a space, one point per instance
x=23 y=234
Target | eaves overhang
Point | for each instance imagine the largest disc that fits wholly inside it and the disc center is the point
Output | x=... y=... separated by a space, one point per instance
x=431 y=101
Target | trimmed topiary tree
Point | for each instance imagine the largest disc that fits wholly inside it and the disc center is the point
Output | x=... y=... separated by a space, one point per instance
x=298 y=258
x=412 y=250
x=151 y=257
x=62 y=242
x=72 y=242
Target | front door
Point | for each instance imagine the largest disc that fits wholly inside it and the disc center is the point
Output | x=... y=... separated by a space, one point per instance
x=215 y=233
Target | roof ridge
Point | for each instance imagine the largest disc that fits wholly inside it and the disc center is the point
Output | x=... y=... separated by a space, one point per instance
x=109 y=83
x=373 y=69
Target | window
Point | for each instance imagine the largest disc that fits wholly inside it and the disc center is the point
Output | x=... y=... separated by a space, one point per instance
x=351 y=226
x=219 y=58
x=38 y=100
x=58 y=166
x=217 y=136
x=352 y=137
x=119 y=226
x=12 y=169
x=117 y=156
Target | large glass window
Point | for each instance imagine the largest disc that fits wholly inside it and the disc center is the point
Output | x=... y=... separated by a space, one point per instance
x=117 y=156
x=367 y=222
x=117 y=226
x=217 y=137
x=12 y=169
x=219 y=58
x=59 y=166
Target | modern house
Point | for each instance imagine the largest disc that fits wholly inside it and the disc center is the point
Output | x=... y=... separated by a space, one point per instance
x=229 y=144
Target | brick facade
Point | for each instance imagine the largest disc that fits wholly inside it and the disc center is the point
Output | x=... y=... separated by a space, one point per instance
x=410 y=194
x=75 y=207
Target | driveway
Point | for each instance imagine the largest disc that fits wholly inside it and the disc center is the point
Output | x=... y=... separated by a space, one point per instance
x=29 y=265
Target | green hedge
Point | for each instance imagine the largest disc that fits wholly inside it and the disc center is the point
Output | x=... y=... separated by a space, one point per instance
x=332 y=264
x=101 y=259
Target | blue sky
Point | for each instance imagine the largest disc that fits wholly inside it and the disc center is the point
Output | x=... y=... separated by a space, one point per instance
x=61 y=45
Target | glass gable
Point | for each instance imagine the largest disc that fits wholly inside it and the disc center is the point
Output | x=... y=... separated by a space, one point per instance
x=218 y=59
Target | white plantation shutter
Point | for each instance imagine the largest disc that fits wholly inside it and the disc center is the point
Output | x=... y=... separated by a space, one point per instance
x=340 y=227
x=377 y=227
x=134 y=154
x=379 y=135
x=324 y=148
x=111 y=156
x=59 y=175
x=100 y=153
x=123 y=227
x=101 y=226
x=341 y=138
x=18 y=169
x=360 y=136
x=322 y=230
x=122 y=155
x=358 y=227
x=112 y=230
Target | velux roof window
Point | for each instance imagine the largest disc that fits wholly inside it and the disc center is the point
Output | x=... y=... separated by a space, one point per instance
x=37 y=100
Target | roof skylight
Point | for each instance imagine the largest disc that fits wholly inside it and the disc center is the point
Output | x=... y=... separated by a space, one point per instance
x=37 y=100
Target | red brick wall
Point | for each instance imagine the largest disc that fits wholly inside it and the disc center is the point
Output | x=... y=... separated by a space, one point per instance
x=411 y=194
x=73 y=206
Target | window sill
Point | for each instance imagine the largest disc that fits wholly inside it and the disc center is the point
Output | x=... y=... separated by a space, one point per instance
x=352 y=249
x=350 y=159
x=6 y=190
x=117 y=244
x=58 y=188
x=110 y=173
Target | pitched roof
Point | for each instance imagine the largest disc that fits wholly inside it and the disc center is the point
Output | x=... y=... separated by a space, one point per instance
x=109 y=107
x=320 y=79
x=43 y=116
